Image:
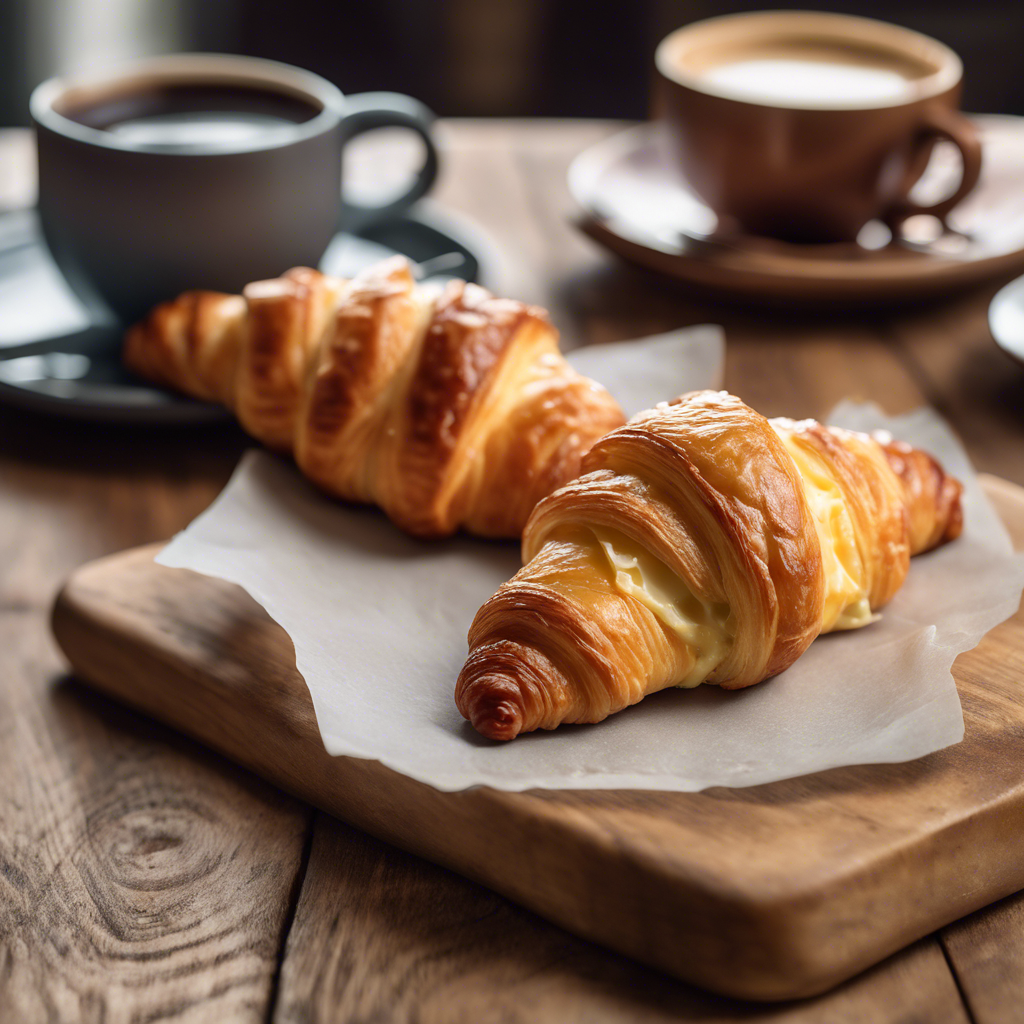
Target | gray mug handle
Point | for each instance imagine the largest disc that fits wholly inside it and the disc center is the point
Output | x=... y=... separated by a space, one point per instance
x=368 y=111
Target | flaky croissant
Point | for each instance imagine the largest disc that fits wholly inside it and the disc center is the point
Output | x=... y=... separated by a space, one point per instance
x=446 y=408
x=704 y=543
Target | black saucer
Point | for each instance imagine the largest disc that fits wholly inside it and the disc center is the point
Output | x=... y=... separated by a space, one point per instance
x=54 y=360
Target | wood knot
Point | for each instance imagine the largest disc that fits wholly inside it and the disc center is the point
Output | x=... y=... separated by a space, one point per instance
x=154 y=847
x=148 y=860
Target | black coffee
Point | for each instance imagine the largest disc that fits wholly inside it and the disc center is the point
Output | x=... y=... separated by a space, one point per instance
x=190 y=116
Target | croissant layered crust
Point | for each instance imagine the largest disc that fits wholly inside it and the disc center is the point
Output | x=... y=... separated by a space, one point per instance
x=703 y=543
x=447 y=407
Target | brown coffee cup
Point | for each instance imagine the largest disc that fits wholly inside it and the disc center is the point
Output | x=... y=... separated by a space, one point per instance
x=805 y=125
x=200 y=171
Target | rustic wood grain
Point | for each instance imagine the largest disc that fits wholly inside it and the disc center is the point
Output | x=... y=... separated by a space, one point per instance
x=382 y=935
x=141 y=877
x=736 y=890
x=986 y=950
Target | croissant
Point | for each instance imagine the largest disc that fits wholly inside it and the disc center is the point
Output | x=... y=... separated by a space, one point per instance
x=704 y=543
x=445 y=407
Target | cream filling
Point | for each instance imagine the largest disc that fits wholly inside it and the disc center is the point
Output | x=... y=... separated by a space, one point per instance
x=702 y=627
x=705 y=628
x=846 y=600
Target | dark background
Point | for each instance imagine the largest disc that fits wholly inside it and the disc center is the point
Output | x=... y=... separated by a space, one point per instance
x=575 y=58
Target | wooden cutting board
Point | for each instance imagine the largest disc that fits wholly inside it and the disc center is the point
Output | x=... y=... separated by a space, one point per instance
x=770 y=892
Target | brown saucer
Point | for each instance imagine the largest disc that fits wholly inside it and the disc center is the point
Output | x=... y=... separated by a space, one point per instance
x=637 y=205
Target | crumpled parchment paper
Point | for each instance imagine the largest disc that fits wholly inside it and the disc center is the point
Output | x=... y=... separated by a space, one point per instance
x=379 y=623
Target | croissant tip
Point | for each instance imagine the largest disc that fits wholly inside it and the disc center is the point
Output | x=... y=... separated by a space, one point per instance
x=500 y=721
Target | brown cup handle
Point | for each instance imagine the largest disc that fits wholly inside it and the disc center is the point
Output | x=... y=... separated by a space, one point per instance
x=953 y=126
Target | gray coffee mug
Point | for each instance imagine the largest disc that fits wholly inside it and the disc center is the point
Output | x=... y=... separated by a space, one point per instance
x=131 y=221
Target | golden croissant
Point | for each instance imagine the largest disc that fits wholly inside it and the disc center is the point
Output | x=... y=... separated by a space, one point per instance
x=704 y=543
x=445 y=407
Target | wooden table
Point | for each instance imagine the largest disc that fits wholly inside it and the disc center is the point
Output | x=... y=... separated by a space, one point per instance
x=143 y=878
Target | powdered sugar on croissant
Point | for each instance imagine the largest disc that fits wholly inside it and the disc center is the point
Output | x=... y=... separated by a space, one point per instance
x=703 y=543
x=446 y=407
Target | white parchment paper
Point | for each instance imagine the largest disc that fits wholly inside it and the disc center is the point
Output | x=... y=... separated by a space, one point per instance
x=379 y=623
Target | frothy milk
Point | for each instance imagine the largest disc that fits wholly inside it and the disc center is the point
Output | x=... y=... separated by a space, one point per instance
x=807 y=82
